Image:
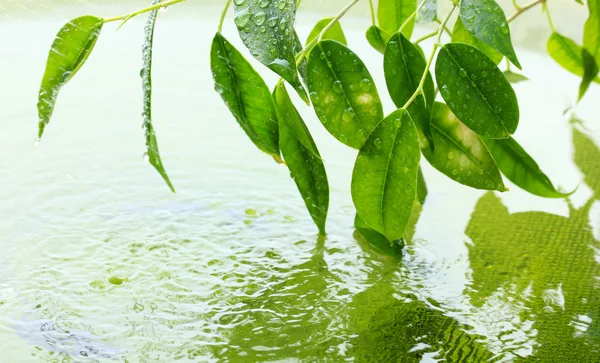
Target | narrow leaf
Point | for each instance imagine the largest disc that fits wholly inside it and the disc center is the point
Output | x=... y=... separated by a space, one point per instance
x=460 y=34
x=246 y=95
x=428 y=11
x=587 y=154
x=305 y=164
x=477 y=91
x=403 y=65
x=591 y=30
x=520 y=168
x=151 y=142
x=421 y=187
x=70 y=49
x=459 y=154
x=266 y=28
x=343 y=93
x=485 y=19
x=590 y=71
x=334 y=33
x=377 y=38
x=384 y=181
x=513 y=77
x=393 y=13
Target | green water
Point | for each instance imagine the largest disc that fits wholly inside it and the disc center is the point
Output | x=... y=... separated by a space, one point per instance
x=100 y=262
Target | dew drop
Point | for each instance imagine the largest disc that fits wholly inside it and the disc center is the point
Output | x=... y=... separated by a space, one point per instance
x=462 y=72
x=263 y=3
x=260 y=18
x=348 y=115
x=377 y=143
x=337 y=87
x=450 y=155
x=504 y=28
x=239 y=2
x=365 y=84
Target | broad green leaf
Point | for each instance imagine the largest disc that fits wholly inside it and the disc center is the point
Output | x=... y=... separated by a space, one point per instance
x=477 y=91
x=587 y=154
x=403 y=66
x=513 y=77
x=305 y=164
x=590 y=71
x=520 y=168
x=246 y=94
x=391 y=14
x=266 y=29
x=567 y=53
x=343 y=93
x=421 y=187
x=459 y=154
x=70 y=49
x=485 y=19
x=591 y=30
x=377 y=38
x=334 y=33
x=384 y=180
x=428 y=11
x=460 y=34
x=375 y=240
x=151 y=142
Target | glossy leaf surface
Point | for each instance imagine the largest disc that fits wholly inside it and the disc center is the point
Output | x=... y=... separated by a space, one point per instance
x=266 y=28
x=377 y=38
x=459 y=153
x=304 y=163
x=151 y=143
x=403 y=66
x=460 y=34
x=334 y=33
x=384 y=180
x=476 y=91
x=486 y=20
x=246 y=95
x=343 y=93
x=428 y=11
x=520 y=168
x=590 y=71
x=393 y=13
x=70 y=49
x=513 y=77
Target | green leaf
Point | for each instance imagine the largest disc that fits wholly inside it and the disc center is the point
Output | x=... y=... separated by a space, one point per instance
x=377 y=38
x=591 y=30
x=459 y=154
x=477 y=91
x=393 y=13
x=70 y=49
x=266 y=28
x=334 y=33
x=421 y=187
x=566 y=52
x=343 y=93
x=586 y=157
x=403 y=66
x=305 y=164
x=486 y=21
x=460 y=34
x=246 y=94
x=428 y=12
x=513 y=77
x=384 y=181
x=520 y=168
x=375 y=240
x=590 y=71
x=151 y=142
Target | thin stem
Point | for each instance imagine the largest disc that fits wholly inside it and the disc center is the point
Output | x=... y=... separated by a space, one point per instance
x=516 y=5
x=507 y=64
x=524 y=8
x=372 y=12
x=309 y=46
x=223 y=14
x=412 y=16
x=437 y=20
x=142 y=11
x=549 y=17
x=437 y=44
x=424 y=37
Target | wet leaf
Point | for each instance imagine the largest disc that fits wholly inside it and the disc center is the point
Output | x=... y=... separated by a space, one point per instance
x=476 y=91
x=460 y=154
x=391 y=14
x=520 y=168
x=375 y=240
x=305 y=164
x=428 y=12
x=151 y=143
x=513 y=77
x=403 y=65
x=384 y=180
x=266 y=29
x=591 y=30
x=377 y=38
x=343 y=93
x=70 y=49
x=246 y=94
x=334 y=33
x=590 y=71
x=485 y=19
x=460 y=34
x=421 y=187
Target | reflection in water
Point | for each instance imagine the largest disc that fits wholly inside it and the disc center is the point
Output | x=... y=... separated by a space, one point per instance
x=545 y=262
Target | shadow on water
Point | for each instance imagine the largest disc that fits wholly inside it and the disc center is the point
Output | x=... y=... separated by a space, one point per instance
x=547 y=263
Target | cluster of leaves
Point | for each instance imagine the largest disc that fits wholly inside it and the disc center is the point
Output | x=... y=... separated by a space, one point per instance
x=467 y=137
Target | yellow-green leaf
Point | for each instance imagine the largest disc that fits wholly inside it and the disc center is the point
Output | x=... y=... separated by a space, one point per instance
x=377 y=38
x=393 y=13
x=590 y=71
x=334 y=33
